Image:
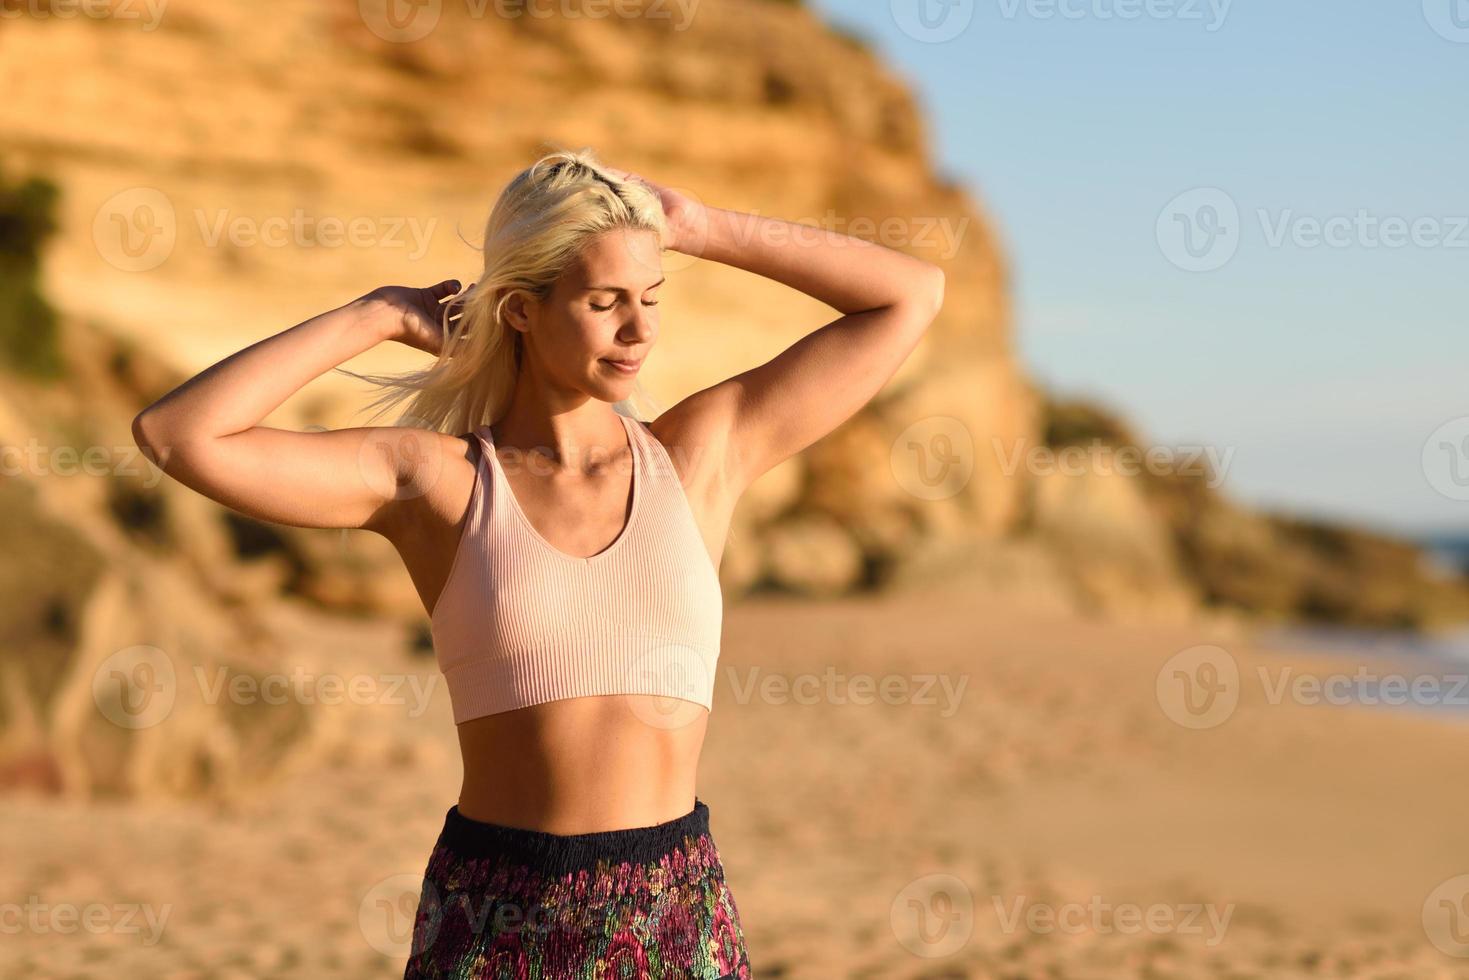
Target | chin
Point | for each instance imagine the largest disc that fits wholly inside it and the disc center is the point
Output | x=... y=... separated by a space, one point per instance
x=600 y=389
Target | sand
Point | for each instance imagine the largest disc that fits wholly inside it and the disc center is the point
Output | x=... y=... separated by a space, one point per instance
x=1021 y=804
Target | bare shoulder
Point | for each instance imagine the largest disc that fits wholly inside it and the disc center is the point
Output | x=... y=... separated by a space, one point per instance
x=696 y=432
x=434 y=477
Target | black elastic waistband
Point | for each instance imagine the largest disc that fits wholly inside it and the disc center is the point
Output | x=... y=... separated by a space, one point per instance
x=470 y=838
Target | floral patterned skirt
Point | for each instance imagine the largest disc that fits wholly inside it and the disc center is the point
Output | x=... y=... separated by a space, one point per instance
x=513 y=904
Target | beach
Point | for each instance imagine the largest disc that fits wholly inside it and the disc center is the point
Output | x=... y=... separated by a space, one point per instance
x=933 y=784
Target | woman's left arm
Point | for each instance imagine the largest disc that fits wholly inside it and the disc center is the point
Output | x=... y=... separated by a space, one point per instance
x=762 y=416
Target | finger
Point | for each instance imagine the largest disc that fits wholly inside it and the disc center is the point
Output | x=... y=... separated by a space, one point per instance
x=445 y=289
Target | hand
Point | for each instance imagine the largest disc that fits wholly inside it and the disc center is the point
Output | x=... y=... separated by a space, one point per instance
x=685 y=216
x=410 y=314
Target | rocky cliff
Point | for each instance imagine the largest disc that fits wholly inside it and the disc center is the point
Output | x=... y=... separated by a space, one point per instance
x=226 y=170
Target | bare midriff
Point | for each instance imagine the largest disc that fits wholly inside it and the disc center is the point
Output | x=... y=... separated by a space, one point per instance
x=583 y=765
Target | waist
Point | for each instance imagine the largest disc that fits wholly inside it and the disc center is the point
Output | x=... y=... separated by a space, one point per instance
x=470 y=838
x=582 y=765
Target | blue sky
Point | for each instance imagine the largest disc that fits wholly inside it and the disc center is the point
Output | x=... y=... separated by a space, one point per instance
x=1325 y=368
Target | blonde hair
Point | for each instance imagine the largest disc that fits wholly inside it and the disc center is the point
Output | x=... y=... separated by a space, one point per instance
x=539 y=224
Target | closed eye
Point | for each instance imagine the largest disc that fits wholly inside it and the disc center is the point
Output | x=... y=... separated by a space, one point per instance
x=604 y=309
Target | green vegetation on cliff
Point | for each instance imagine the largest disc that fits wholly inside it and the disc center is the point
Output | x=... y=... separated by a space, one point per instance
x=28 y=334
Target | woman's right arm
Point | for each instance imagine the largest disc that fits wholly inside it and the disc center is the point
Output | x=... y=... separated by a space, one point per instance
x=206 y=432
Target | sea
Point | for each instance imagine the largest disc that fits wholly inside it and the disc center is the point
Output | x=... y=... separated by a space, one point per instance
x=1393 y=669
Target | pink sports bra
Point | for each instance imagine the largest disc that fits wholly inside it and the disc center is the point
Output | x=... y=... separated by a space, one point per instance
x=520 y=622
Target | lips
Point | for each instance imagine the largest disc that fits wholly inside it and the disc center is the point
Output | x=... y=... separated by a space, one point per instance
x=627 y=367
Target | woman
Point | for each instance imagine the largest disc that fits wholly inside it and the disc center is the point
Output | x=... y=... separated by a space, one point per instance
x=566 y=552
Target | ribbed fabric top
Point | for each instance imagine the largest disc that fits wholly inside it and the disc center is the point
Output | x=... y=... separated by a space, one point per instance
x=520 y=622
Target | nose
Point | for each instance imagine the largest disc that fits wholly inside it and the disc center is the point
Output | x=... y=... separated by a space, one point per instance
x=643 y=325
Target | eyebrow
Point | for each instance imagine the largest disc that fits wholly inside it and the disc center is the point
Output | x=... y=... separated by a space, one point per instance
x=619 y=289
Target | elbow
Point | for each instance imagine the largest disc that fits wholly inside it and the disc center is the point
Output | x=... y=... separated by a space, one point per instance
x=144 y=436
x=936 y=290
x=156 y=442
x=926 y=298
x=140 y=429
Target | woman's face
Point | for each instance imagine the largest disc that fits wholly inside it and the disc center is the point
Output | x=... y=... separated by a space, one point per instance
x=602 y=310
